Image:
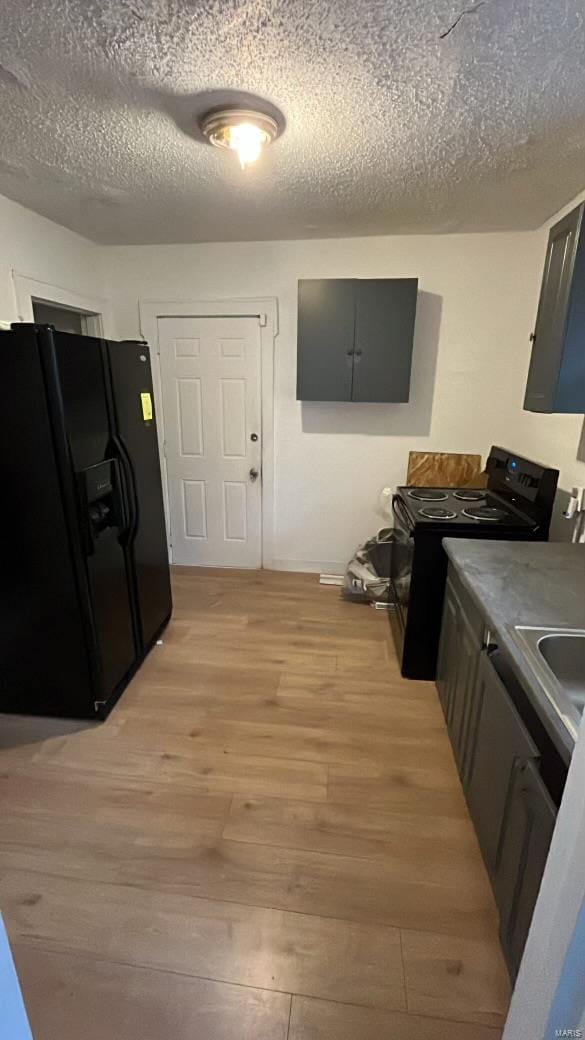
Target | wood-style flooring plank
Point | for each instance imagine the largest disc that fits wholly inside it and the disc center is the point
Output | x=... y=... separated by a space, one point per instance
x=271 y=659
x=322 y=1020
x=309 y=638
x=267 y=706
x=381 y=696
x=359 y=890
x=428 y=848
x=455 y=978
x=75 y=825
x=141 y=808
x=70 y=997
x=262 y=948
x=167 y=679
x=176 y=761
x=329 y=745
x=421 y=790
x=304 y=882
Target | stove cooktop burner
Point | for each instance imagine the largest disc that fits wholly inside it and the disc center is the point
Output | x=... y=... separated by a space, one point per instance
x=433 y=513
x=486 y=513
x=469 y=496
x=428 y=495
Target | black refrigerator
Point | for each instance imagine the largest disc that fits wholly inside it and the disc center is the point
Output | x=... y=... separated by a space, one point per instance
x=85 y=573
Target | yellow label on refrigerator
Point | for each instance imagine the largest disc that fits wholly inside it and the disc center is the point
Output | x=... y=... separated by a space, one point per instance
x=146 y=401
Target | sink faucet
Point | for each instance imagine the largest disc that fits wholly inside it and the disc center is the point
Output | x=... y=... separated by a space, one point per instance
x=576 y=511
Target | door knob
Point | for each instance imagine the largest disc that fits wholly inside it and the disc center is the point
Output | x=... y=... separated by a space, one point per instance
x=253 y=473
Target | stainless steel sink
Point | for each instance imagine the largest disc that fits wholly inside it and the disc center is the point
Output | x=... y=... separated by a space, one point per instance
x=564 y=653
x=557 y=658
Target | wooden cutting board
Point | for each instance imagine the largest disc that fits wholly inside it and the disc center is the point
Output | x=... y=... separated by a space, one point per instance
x=444 y=469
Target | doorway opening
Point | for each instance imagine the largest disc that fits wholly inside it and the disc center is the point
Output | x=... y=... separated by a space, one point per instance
x=264 y=311
x=67 y=319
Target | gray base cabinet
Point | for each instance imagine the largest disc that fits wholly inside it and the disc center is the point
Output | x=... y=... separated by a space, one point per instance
x=524 y=843
x=499 y=747
x=459 y=655
x=498 y=761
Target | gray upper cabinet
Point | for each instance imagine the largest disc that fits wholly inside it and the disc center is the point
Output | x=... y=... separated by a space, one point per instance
x=556 y=378
x=325 y=339
x=355 y=339
x=384 y=328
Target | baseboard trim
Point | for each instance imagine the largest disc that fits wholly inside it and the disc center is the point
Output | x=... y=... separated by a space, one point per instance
x=309 y=566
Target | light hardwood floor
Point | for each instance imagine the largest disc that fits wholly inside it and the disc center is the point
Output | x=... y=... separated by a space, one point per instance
x=267 y=840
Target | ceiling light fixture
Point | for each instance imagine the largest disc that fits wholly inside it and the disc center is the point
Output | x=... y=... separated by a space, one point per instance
x=243 y=131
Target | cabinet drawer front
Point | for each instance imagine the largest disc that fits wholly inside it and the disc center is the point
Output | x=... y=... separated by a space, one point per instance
x=498 y=746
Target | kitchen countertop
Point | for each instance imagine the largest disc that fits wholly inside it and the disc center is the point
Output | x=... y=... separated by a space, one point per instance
x=524 y=583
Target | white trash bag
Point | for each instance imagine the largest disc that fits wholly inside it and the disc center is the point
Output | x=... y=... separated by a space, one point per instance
x=363 y=583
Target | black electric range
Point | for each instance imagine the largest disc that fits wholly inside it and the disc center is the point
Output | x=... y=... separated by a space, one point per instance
x=516 y=504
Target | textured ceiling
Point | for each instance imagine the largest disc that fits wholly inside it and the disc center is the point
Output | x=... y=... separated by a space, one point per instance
x=389 y=129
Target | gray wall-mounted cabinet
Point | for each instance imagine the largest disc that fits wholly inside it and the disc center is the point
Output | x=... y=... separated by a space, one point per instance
x=355 y=339
x=556 y=378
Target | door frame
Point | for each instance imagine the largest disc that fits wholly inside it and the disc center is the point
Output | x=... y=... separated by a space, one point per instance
x=266 y=310
x=27 y=290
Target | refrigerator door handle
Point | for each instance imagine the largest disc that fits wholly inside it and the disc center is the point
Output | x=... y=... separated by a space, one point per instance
x=130 y=485
x=121 y=498
x=123 y=490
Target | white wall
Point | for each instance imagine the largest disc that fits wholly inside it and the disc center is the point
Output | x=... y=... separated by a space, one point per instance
x=476 y=309
x=478 y=296
x=46 y=252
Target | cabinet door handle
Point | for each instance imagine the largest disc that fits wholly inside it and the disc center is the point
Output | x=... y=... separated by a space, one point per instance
x=358 y=352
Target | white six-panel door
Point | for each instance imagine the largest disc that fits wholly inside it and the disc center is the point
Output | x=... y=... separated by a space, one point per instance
x=211 y=391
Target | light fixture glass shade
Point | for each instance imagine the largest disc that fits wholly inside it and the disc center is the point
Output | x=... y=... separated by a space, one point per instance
x=244 y=132
x=247 y=141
